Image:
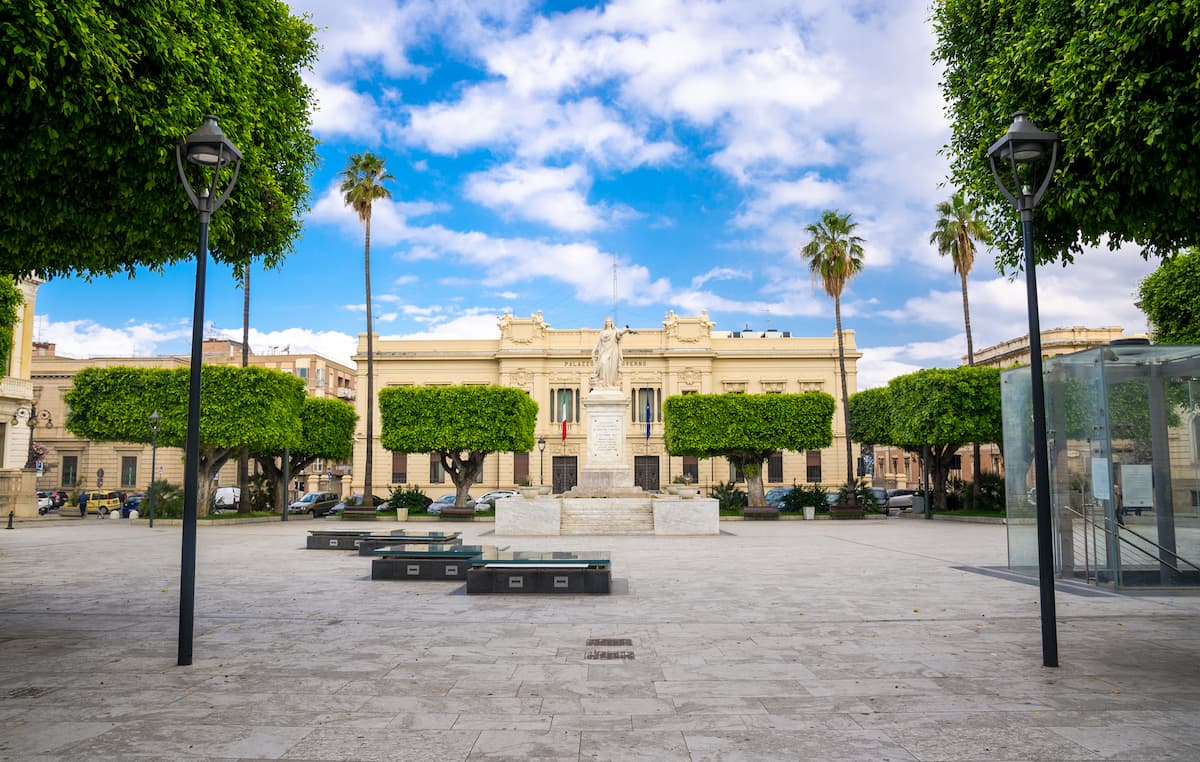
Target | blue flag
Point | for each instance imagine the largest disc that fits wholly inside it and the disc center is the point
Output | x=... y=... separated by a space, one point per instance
x=647 y=419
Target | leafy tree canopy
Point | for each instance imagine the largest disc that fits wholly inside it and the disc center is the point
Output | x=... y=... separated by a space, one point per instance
x=871 y=416
x=327 y=429
x=460 y=423
x=1170 y=297
x=1117 y=80
x=945 y=406
x=747 y=428
x=253 y=407
x=457 y=418
x=10 y=301
x=94 y=96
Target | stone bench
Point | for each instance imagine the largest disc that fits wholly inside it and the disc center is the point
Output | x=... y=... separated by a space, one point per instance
x=342 y=539
x=555 y=573
x=424 y=562
x=368 y=545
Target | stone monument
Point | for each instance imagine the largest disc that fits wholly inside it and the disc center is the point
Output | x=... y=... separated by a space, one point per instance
x=606 y=501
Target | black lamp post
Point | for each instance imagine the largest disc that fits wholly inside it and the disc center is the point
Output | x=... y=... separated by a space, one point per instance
x=30 y=416
x=154 y=418
x=1027 y=155
x=209 y=149
x=541 y=460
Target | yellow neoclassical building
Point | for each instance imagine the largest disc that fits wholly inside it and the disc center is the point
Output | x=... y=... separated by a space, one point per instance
x=683 y=356
x=19 y=416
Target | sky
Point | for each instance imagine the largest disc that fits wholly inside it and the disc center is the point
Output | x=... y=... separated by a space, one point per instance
x=543 y=152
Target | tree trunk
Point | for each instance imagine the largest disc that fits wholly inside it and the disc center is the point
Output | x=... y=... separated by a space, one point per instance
x=369 y=459
x=976 y=459
x=244 y=458
x=211 y=461
x=942 y=456
x=837 y=315
x=273 y=474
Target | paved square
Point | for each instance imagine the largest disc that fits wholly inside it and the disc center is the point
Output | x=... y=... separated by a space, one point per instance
x=781 y=640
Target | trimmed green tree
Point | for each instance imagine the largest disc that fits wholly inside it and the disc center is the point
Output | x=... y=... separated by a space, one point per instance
x=944 y=409
x=461 y=424
x=1170 y=297
x=255 y=407
x=747 y=428
x=326 y=432
x=93 y=100
x=1116 y=80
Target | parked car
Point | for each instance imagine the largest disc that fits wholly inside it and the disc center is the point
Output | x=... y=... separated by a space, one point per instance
x=315 y=503
x=101 y=502
x=357 y=499
x=133 y=502
x=487 y=502
x=900 y=499
x=58 y=498
x=775 y=496
x=44 y=502
x=447 y=501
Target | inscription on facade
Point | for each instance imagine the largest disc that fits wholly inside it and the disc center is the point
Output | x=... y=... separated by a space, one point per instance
x=588 y=363
x=606 y=435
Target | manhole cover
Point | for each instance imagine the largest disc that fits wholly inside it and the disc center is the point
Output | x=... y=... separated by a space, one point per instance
x=610 y=642
x=609 y=656
x=28 y=692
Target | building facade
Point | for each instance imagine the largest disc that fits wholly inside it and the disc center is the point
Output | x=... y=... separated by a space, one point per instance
x=74 y=464
x=19 y=418
x=684 y=356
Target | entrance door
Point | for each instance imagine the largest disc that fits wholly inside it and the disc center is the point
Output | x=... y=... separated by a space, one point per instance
x=645 y=472
x=566 y=473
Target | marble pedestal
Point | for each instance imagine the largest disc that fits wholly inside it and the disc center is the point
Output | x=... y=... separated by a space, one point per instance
x=607 y=471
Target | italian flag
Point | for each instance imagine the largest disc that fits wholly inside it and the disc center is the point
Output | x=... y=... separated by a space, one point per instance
x=564 y=419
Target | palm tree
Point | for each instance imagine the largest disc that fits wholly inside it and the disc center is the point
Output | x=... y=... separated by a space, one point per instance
x=244 y=457
x=834 y=256
x=362 y=185
x=954 y=234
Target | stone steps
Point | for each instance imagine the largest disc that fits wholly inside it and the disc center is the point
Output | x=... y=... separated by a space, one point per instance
x=584 y=519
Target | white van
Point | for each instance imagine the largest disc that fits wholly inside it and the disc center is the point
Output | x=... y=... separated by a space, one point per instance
x=227 y=498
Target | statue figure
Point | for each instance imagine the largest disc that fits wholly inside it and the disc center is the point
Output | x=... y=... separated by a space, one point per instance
x=606 y=356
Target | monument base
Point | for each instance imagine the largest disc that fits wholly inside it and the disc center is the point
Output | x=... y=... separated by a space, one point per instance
x=574 y=515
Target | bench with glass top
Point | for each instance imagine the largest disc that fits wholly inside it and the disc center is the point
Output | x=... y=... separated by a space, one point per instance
x=519 y=571
x=425 y=561
x=376 y=542
x=342 y=539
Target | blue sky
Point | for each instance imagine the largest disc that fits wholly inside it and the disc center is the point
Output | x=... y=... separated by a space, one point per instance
x=534 y=145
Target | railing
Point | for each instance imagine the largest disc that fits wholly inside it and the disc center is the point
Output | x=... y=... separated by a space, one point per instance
x=1104 y=551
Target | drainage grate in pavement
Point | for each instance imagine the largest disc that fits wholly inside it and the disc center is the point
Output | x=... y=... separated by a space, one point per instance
x=609 y=656
x=30 y=692
x=610 y=641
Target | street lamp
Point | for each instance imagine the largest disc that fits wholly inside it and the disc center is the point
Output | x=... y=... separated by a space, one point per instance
x=154 y=418
x=31 y=416
x=209 y=149
x=541 y=460
x=1028 y=155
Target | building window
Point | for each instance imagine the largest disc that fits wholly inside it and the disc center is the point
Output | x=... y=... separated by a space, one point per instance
x=736 y=475
x=129 y=471
x=437 y=474
x=691 y=468
x=775 y=468
x=564 y=405
x=302 y=373
x=520 y=467
x=647 y=405
x=813 y=475
x=320 y=378
x=70 y=470
x=399 y=468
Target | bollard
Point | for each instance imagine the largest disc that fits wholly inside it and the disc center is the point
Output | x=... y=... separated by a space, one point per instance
x=10 y=519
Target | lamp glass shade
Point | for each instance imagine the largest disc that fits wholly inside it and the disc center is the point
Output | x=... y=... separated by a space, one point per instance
x=208 y=146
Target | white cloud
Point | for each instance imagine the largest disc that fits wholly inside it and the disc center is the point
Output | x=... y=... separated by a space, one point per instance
x=334 y=345
x=475 y=324
x=720 y=273
x=556 y=196
x=87 y=338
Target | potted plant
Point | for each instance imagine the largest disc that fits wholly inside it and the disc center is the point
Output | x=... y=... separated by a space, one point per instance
x=527 y=490
x=682 y=485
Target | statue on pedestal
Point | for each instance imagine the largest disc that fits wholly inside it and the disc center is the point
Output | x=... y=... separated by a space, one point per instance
x=606 y=356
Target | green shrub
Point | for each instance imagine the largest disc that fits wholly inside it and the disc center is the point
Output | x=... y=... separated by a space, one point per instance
x=863 y=496
x=168 y=500
x=991 y=494
x=729 y=497
x=262 y=494
x=799 y=497
x=409 y=498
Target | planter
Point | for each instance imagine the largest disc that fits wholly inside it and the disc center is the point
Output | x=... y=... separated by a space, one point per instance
x=529 y=493
x=810 y=512
x=401 y=514
x=544 y=489
x=838 y=511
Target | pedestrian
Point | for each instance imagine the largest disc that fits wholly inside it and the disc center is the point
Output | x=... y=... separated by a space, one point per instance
x=1118 y=504
x=82 y=504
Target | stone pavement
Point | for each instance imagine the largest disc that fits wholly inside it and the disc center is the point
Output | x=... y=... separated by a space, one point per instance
x=774 y=641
